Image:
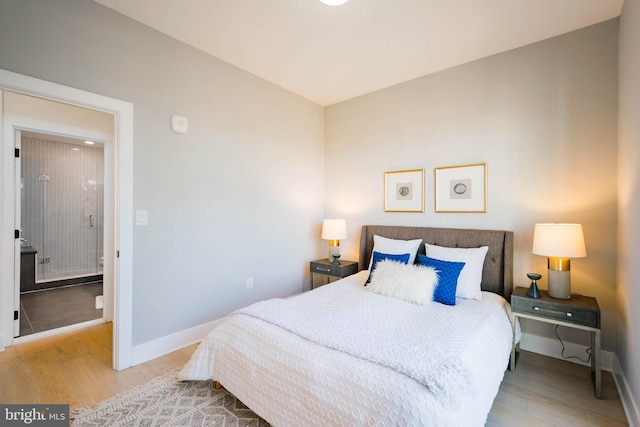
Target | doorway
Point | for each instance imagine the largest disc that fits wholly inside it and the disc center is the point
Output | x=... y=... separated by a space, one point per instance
x=61 y=196
x=118 y=219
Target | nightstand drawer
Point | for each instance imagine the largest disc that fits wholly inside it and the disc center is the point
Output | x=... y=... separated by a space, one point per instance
x=578 y=312
x=557 y=311
x=327 y=269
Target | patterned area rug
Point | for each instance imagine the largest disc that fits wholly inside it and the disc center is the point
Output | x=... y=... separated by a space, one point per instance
x=164 y=401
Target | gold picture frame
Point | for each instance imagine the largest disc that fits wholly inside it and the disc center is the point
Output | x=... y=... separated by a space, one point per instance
x=461 y=188
x=404 y=191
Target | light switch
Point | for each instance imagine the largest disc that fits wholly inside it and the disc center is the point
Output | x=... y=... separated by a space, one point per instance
x=142 y=217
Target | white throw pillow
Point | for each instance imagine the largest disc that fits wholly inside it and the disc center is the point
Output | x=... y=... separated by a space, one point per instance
x=385 y=245
x=408 y=282
x=470 y=279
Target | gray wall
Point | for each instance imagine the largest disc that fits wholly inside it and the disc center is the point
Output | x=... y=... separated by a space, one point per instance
x=628 y=291
x=543 y=118
x=240 y=195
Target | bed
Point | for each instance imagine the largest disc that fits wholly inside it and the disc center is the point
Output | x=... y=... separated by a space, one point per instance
x=343 y=355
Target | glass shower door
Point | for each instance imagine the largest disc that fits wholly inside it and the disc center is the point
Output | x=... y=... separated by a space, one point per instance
x=63 y=207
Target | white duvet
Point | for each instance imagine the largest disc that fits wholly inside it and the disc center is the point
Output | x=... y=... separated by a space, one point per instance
x=341 y=355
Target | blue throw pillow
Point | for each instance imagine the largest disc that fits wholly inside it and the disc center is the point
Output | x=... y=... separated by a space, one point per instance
x=448 y=272
x=377 y=257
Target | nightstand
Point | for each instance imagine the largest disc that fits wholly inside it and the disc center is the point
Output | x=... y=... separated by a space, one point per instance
x=328 y=270
x=580 y=312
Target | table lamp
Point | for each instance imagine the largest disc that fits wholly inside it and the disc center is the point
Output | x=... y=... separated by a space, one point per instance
x=559 y=242
x=333 y=230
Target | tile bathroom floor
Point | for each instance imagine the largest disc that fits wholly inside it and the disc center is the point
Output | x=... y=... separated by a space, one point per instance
x=57 y=307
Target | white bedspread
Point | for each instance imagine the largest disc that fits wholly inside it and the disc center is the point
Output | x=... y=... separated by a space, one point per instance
x=341 y=355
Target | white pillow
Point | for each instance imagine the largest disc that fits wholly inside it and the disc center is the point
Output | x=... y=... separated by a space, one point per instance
x=384 y=245
x=470 y=277
x=408 y=282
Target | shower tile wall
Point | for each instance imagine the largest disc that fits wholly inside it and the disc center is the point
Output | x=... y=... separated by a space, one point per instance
x=62 y=207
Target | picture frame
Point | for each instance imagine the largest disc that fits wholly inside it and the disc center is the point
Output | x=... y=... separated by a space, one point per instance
x=461 y=188
x=404 y=191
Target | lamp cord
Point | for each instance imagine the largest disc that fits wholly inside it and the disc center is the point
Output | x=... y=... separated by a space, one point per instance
x=588 y=351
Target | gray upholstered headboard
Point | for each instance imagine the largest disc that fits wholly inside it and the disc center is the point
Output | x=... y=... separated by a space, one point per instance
x=497 y=274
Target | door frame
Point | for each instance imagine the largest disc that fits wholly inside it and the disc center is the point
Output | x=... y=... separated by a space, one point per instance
x=118 y=240
x=17 y=208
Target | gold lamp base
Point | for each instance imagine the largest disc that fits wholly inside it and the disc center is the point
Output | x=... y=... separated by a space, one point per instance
x=559 y=278
x=334 y=251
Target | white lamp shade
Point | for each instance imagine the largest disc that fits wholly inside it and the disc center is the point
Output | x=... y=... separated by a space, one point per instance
x=559 y=240
x=334 y=229
x=334 y=2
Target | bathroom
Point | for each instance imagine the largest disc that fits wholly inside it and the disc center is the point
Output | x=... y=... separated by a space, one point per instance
x=62 y=231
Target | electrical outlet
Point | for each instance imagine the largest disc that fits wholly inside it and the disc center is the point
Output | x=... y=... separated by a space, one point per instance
x=249 y=282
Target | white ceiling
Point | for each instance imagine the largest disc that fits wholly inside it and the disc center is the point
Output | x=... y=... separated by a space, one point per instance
x=332 y=53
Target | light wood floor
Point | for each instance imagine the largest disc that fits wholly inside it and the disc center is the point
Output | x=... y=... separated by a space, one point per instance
x=544 y=391
x=75 y=368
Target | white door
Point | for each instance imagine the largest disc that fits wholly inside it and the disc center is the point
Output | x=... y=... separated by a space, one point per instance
x=118 y=173
x=18 y=236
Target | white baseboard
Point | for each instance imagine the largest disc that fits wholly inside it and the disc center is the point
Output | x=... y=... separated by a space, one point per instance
x=551 y=347
x=628 y=402
x=170 y=343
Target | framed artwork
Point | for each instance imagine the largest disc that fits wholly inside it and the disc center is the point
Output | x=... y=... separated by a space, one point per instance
x=461 y=188
x=404 y=191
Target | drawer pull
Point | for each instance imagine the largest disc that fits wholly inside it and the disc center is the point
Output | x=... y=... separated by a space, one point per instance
x=323 y=269
x=568 y=313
